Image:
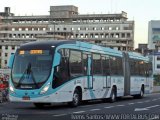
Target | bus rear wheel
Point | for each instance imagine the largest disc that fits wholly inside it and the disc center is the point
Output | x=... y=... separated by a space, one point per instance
x=113 y=96
x=141 y=94
x=76 y=99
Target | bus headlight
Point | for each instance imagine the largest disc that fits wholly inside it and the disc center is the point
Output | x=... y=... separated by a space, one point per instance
x=45 y=89
x=11 y=88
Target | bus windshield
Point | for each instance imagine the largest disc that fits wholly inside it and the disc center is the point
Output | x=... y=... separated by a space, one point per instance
x=31 y=67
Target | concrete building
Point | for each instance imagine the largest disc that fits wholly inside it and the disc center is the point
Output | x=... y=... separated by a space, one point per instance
x=154 y=44
x=154 y=35
x=143 y=49
x=111 y=30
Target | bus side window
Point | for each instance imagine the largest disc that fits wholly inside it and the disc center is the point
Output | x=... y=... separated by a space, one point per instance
x=106 y=65
x=85 y=63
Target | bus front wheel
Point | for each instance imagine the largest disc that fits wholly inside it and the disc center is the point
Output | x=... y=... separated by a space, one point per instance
x=76 y=99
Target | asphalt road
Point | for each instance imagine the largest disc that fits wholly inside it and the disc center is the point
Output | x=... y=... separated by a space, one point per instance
x=126 y=108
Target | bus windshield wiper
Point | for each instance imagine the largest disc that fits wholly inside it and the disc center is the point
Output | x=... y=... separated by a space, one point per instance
x=29 y=73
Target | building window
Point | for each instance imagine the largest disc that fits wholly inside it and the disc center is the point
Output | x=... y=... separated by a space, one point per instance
x=158 y=66
x=117 y=35
x=79 y=28
x=72 y=28
x=26 y=29
x=81 y=35
x=96 y=36
x=13 y=47
x=5 y=62
x=117 y=28
x=86 y=35
x=102 y=28
x=44 y=29
x=110 y=28
x=107 y=35
x=6 y=54
x=128 y=35
x=14 y=36
x=158 y=57
x=27 y=36
x=124 y=48
x=86 y=28
x=123 y=35
x=72 y=36
x=64 y=28
x=20 y=29
x=6 y=47
x=94 y=28
x=13 y=29
x=112 y=35
x=57 y=28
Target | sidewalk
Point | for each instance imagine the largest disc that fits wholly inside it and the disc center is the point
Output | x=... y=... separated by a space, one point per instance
x=156 y=89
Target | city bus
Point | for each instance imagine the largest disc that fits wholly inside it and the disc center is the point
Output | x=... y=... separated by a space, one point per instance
x=58 y=71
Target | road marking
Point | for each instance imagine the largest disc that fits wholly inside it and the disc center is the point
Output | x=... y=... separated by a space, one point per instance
x=147 y=101
x=95 y=109
x=120 y=105
x=86 y=106
x=146 y=108
x=154 y=99
x=139 y=102
x=79 y=112
x=152 y=106
x=59 y=115
x=130 y=103
x=109 y=107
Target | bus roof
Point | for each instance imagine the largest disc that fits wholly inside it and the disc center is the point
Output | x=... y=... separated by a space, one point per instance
x=46 y=44
x=83 y=45
x=138 y=56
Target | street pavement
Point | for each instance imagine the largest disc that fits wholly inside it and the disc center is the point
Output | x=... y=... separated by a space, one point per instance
x=126 y=108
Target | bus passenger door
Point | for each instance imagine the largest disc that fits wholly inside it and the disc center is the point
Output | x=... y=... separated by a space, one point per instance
x=89 y=73
x=88 y=82
x=106 y=72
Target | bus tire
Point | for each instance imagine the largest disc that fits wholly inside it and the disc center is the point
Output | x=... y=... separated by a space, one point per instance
x=141 y=95
x=76 y=99
x=39 y=105
x=113 y=95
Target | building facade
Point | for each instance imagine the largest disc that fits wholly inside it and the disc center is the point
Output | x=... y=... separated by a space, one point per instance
x=112 y=30
x=154 y=44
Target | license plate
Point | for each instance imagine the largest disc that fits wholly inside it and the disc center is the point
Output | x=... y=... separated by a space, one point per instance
x=25 y=98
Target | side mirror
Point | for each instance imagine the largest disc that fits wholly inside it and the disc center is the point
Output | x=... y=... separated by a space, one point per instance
x=11 y=59
x=57 y=59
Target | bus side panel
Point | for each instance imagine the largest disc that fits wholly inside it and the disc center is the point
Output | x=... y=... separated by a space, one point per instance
x=136 y=84
x=126 y=68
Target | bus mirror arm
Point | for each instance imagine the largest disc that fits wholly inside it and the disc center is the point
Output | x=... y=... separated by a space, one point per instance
x=57 y=59
x=56 y=68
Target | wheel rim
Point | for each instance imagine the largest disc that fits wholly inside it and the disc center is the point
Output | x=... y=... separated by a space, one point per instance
x=75 y=98
x=142 y=93
x=113 y=97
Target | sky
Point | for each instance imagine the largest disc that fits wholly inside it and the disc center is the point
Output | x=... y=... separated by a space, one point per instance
x=141 y=11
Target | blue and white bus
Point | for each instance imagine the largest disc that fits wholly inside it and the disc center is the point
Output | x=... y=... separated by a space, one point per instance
x=73 y=72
